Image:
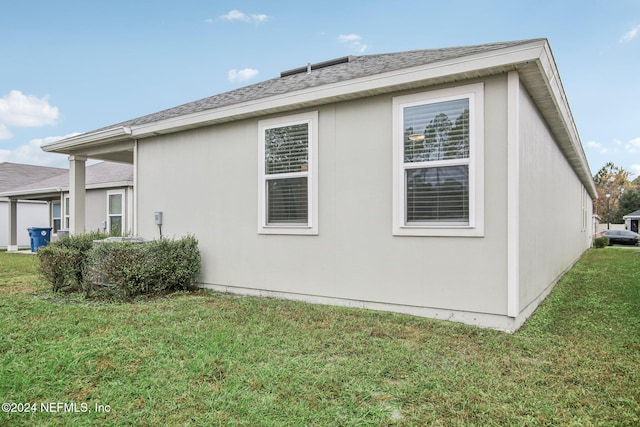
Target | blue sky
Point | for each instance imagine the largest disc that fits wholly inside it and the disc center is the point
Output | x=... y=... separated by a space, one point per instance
x=72 y=66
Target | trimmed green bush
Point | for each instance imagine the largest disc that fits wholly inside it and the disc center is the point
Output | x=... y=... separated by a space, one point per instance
x=601 y=242
x=62 y=262
x=59 y=266
x=125 y=270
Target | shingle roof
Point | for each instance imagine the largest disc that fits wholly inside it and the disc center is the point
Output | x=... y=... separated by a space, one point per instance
x=100 y=174
x=633 y=214
x=16 y=175
x=357 y=77
x=356 y=67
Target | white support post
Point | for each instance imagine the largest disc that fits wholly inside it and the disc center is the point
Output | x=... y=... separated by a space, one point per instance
x=77 y=193
x=12 y=242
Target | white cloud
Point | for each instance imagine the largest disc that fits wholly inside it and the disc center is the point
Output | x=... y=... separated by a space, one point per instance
x=593 y=144
x=597 y=146
x=245 y=74
x=18 y=109
x=32 y=154
x=630 y=35
x=349 y=38
x=5 y=133
x=633 y=146
x=236 y=15
x=354 y=41
x=257 y=18
x=635 y=169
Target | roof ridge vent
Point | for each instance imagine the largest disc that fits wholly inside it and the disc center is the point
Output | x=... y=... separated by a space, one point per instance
x=310 y=67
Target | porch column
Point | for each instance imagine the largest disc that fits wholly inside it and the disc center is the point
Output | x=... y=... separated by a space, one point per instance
x=77 y=194
x=12 y=236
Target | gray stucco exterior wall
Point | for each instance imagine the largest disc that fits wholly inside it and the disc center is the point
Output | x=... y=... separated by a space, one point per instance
x=96 y=208
x=205 y=182
x=524 y=179
x=555 y=211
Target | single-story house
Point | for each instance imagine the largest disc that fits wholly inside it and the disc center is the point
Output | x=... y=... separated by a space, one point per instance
x=29 y=213
x=631 y=221
x=108 y=203
x=448 y=183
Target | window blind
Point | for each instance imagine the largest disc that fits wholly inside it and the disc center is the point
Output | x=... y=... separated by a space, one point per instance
x=439 y=194
x=286 y=149
x=436 y=162
x=287 y=201
x=286 y=174
x=438 y=131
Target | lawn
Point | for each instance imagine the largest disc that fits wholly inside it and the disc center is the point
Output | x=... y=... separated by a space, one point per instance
x=208 y=359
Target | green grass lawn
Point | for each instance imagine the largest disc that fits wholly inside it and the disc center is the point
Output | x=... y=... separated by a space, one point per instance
x=206 y=359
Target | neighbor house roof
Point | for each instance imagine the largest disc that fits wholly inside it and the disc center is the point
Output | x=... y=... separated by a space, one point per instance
x=634 y=214
x=351 y=78
x=99 y=175
x=16 y=175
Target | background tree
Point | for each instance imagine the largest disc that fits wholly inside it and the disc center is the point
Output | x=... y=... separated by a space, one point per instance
x=629 y=202
x=614 y=181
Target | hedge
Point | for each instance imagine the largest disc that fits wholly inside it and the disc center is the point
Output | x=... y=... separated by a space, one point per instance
x=62 y=263
x=601 y=242
x=125 y=269
x=120 y=269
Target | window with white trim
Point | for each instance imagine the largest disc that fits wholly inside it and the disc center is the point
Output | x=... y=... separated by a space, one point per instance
x=67 y=211
x=115 y=212
x=288 y=175
x=56 y=215
x=438 y=156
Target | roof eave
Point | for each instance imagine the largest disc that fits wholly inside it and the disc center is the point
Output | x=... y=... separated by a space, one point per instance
x=34 y=193
x=472 y=66
x=52 y=191
x=426 y=75
x=560 y=118
x=429 y=74
x=65 y=146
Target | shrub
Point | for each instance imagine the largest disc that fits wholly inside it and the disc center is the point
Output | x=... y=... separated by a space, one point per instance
x=126 y=269
x=62 y=262
x=59 y=266
x=601 y=242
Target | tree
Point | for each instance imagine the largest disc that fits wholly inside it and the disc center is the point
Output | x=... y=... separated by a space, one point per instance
x=437 y=136
x=613 y=181
x=629 y=202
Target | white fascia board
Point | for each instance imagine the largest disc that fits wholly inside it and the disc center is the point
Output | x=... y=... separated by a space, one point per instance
x=45 y=192
x=85 y=139
x=115 y=185
x=380 y=83
x=34 y=192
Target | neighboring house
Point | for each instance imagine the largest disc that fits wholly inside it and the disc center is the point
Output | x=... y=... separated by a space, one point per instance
x=29 y=213
x=631 y=221
x=108 y=202
x=447 y=183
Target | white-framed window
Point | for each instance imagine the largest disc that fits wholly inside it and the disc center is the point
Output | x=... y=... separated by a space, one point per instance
x=66 y=212
x=115 y=212
x=438 y=157
x=288 y=172
x=56 y=215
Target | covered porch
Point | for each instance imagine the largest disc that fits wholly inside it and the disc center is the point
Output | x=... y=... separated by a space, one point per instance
x=66 y=195
x=110 y=145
